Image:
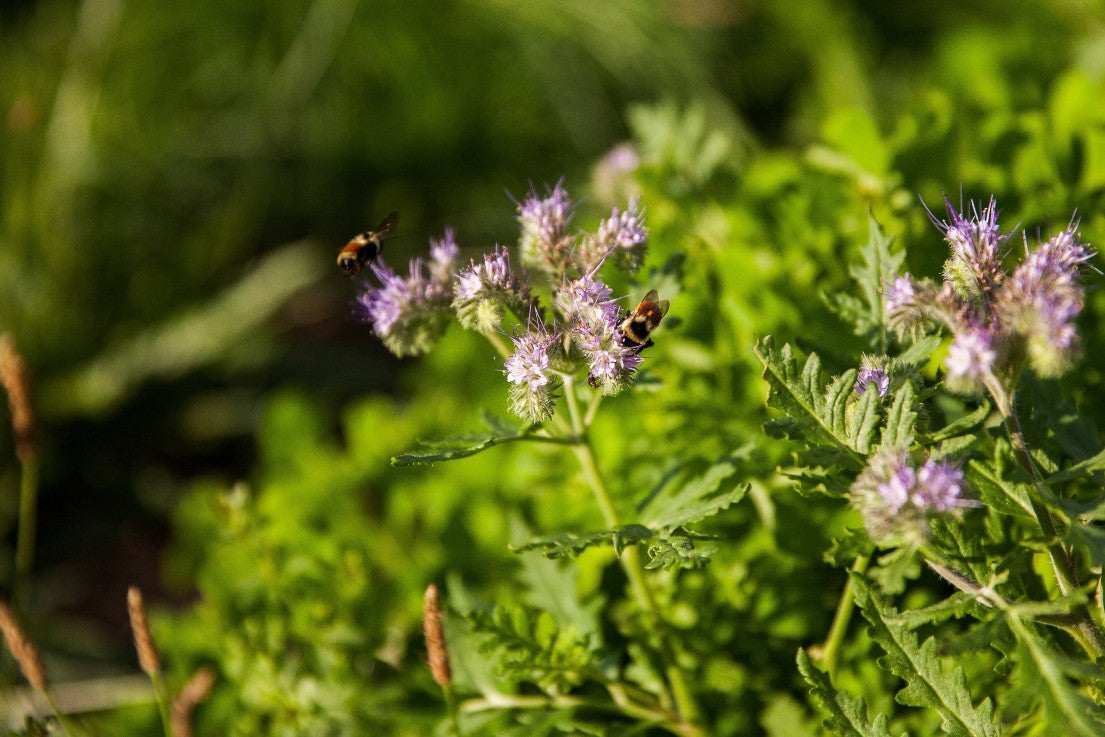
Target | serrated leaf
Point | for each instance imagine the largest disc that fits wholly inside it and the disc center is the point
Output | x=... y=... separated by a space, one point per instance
x=1093 y=464
x=1069 y=713
x=571 y=544
x=995 y=492
x=963 y=424
x=898 y=430
x=877 y=265
x=927 y=682
x=451 y=449
x=553 y=588
x=531 y=645
x=920 y=351
x=814 y=413
x=677 y=551
x=847 y=713
x=693 y=500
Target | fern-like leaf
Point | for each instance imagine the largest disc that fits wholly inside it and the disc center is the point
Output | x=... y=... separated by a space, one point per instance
x=451 y=449
x=531 y=646
x=700 y=497
x=847 y=714
x=927 y=682
x=823 y=414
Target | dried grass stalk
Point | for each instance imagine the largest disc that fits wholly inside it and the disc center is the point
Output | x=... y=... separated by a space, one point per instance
x=22 y=649
x=148 y=658
x=434 y=631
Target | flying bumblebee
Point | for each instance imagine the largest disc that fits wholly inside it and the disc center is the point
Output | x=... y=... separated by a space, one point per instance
x=360 y=251
x=642 y=320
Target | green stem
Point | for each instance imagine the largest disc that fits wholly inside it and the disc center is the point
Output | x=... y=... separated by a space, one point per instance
x=844 y=609
x=500 y=345
x=163 y=702
x=624 y=706
x=631 y=563
x=451 y=707
x=25 y=538
x=63 y=722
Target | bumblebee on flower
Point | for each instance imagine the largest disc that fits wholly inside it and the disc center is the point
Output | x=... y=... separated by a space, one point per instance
x=583 y=332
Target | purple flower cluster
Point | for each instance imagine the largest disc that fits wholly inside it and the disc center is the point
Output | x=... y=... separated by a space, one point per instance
x=529 y=372
x=994 y=316
x=895 y=496
x=545 y=244
x=593 y=319
x=410 y=313
x=872 y=373
x=623 y=234
x=581 y=332
x=484 y=289
x=1043 y=298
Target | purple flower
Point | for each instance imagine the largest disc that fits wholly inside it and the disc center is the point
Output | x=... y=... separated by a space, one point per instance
x=443 y=257
x=586 y=300
x=484 y=289
x=1042 y=299
x=976 y=244
x=610 y=364
x=939 y=486
x=872 y=372
x=895 y=496
x=544 y=223
x=528 y=369
x=408 y=313
x=971 y=355
x=623 y=234
x=896 y=490
x=898 y=294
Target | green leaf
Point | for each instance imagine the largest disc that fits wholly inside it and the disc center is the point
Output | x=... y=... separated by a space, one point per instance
x=1069 y=713
x=696 y=499
x=1087 y=467
x=571 y=544
x=995 y=492
x=963 y=424
x=847 y=714
x=813 y=411
x=451 y=449
x=530 y=645
x=677 y=551
x=898 y=430
x=553 y=588
x=927 y=682
x=878 y=266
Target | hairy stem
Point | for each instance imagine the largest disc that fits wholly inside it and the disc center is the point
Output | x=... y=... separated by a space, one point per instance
x=830 y=651
x=631 y=562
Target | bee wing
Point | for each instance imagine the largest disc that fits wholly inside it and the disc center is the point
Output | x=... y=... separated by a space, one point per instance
x=387 y=226
x=663 y=305
x=652 y=296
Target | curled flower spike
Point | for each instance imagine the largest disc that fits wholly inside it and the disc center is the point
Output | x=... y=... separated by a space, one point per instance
x=528 y=369
x=895 y=497
x=872 y=373
x=976 y=263
x=410 y=313
x=1042 y=300
x=970 y=357
x=484 y=290
x=545 y=244
x=623 y=235
x=593 y=319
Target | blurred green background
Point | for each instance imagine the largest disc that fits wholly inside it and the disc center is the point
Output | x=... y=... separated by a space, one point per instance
x=176 y=179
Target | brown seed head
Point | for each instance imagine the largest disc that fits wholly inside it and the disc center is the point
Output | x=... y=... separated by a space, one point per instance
x=434 y=631
x=192 y=695
x=13 y=376
x=22 y=649
x=148 y=658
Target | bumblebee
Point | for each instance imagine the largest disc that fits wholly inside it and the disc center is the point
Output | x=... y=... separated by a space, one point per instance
x=642 y=320
x=360 y=251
